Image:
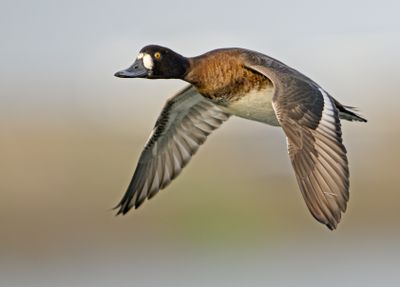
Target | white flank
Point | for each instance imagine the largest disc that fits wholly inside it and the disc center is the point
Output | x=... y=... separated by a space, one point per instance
x=256 y=106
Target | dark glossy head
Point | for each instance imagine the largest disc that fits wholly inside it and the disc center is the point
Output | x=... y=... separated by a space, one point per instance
x=156 y=62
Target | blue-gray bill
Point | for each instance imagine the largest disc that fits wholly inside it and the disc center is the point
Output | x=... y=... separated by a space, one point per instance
x=137 y=70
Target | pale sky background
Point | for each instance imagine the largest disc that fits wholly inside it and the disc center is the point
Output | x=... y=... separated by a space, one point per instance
x=71 y=134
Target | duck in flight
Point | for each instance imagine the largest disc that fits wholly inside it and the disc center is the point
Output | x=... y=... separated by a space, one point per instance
x=250 y=85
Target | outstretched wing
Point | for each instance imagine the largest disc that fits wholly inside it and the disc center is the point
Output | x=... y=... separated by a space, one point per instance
x=184 y=124
x=317 y=154
x=311 y=123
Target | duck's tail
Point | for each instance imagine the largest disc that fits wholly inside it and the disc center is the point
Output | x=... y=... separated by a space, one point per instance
x=349 y=113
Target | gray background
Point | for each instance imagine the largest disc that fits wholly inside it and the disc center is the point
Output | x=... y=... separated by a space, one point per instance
x=71 y=134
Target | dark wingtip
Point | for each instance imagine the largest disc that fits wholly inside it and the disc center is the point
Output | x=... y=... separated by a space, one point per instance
x=138 y=203
x=122 y=208
x=118 y=206
x=331 y=227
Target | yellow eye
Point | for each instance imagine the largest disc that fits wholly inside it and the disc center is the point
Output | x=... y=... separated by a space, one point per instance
x=157 y=55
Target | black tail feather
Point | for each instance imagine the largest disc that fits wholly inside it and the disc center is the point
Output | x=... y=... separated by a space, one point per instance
x=349 y=113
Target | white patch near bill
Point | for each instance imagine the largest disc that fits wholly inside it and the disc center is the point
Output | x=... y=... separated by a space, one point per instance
x=139 y=56
x=148 y=61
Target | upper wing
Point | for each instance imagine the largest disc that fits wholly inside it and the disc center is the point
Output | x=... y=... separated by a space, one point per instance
x=184 y=124
x=311 y=123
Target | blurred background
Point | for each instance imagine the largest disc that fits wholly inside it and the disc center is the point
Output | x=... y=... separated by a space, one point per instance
x=71 y=134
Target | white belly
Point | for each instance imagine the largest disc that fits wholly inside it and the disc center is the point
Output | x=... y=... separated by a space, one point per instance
x=256 y=106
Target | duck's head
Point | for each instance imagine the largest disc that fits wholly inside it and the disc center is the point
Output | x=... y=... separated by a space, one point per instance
x=156 y=62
